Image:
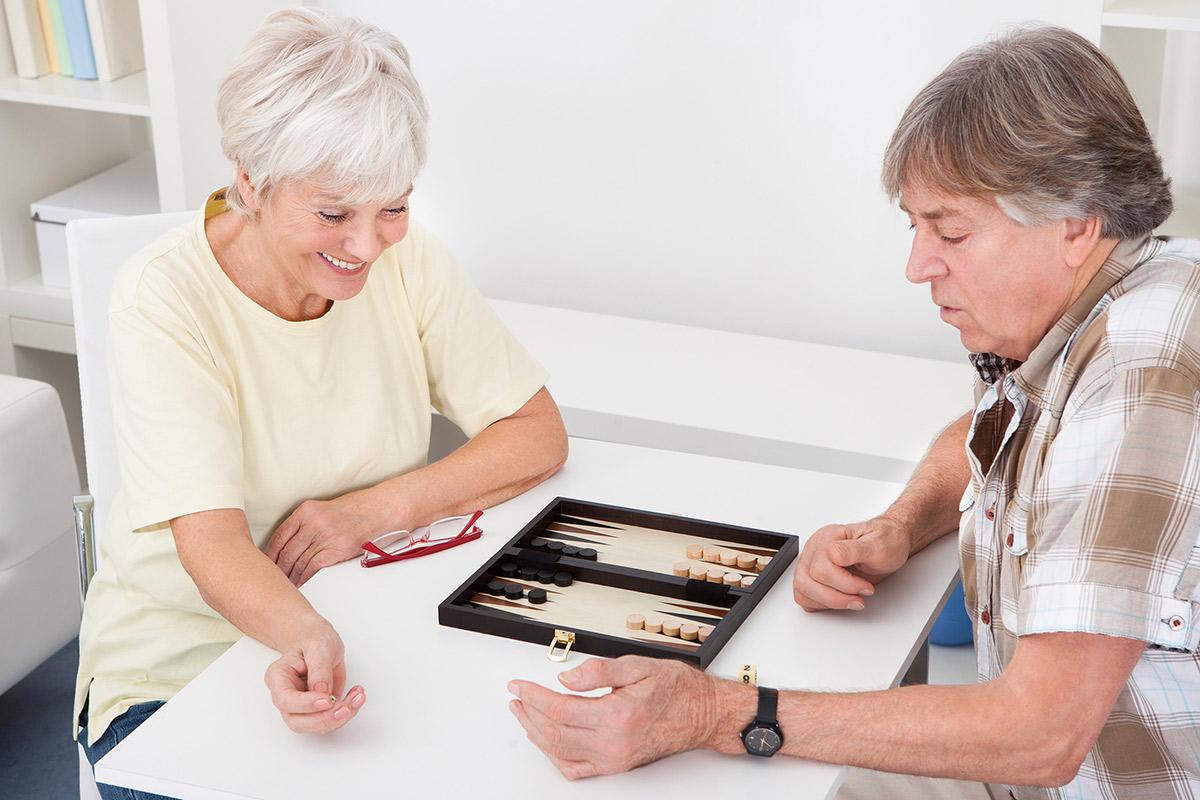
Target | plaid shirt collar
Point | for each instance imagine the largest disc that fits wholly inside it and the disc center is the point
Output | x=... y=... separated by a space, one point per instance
x=1034 y=375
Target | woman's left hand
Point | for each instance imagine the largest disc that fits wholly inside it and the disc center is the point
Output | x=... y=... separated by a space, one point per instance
x=321 y=533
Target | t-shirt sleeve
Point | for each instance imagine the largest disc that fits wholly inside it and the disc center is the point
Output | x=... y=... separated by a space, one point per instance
x=177 y=432
x=478 y=372
x=1113 y=548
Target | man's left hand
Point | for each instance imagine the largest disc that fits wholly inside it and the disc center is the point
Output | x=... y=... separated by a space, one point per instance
x=321 y=533
x=656 y=708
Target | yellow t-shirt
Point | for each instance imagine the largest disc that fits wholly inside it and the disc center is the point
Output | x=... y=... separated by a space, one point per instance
x=218 y=403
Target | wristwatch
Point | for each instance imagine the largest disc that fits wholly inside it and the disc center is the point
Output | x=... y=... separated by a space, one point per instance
x=762 y=737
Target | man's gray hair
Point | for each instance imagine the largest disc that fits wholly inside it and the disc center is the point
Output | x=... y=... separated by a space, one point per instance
x=325 y=99
x=1040 y=120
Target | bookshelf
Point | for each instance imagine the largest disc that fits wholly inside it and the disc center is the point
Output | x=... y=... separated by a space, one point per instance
x=1156 y=45
x=1158 y=15
x=57 y=131
x=127 y=95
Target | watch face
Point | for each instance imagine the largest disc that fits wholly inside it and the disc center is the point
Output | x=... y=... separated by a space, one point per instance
x=762 y=741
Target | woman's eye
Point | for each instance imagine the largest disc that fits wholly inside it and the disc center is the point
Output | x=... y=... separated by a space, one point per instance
x=331 y=217
x=395 y=212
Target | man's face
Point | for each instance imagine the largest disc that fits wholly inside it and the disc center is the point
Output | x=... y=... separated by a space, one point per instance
x=1003 y=286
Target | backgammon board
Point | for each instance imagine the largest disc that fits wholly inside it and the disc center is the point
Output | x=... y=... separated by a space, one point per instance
x=615 y=581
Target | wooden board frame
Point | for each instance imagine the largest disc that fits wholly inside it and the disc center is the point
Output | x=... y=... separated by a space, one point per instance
x=457 y=611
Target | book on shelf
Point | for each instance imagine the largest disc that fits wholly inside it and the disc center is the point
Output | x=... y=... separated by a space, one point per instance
x=79 y=40
x=88 y=39
x=60 y=39
x=25 y=31
x=48 y=34
x=116 y=37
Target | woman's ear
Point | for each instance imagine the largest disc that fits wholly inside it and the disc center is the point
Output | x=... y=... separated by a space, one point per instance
x=245 y=190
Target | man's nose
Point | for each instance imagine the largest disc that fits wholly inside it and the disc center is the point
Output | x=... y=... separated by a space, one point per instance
x=924 y=263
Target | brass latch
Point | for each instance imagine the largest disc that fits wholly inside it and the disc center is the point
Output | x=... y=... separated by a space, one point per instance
x=563 y=639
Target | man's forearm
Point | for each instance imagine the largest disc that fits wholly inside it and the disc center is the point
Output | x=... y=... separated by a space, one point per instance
x=963 y=732
x=928 y=506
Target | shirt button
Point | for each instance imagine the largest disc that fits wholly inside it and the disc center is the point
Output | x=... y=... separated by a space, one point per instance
x=1175 y=622
x=990 y=513
x=1009 y=540
x=985 y=617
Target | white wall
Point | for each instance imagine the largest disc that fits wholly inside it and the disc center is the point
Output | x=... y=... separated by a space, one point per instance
x=692 y=161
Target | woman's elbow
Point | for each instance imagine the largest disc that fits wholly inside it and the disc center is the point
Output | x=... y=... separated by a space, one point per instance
x=557 y=450
x=553 y=436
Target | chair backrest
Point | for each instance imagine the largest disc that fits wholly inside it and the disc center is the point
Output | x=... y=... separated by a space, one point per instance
x=96 y=248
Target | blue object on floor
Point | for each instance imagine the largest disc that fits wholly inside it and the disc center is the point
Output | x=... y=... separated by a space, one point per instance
x=953 y=626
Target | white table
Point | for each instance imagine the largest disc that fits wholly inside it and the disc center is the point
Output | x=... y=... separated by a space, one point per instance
x=436 y=722
x=753 y=398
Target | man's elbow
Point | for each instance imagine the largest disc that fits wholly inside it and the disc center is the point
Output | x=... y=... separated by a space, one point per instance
x=1057 y=763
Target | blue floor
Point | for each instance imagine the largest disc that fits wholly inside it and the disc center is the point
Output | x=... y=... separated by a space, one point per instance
x=37 y=757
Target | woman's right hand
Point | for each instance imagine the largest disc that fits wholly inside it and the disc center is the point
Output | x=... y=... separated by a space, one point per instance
x=307 y=680
x=841 y=564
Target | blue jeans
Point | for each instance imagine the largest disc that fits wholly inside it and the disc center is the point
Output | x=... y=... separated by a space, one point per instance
x=121 y=727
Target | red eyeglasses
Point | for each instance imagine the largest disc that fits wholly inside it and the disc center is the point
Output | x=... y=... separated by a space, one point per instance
x=422 y=541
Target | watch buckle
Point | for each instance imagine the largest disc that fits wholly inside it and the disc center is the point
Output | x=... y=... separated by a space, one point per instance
x=563 y=639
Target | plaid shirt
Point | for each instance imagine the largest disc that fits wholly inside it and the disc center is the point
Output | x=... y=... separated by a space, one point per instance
x=1083 y=511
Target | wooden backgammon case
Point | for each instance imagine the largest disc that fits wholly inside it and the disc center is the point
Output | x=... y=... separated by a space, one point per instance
x=580 y=574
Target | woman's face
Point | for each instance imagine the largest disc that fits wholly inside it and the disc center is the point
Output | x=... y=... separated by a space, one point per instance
x=323 y=248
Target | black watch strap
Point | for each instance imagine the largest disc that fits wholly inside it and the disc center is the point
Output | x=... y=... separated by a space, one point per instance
x=768 y=705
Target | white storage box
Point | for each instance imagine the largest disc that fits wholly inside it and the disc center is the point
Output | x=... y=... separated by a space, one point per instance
x=125 y=190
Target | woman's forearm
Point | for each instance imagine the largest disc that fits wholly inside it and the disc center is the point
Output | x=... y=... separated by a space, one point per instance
x=508 y=457
x=240 y=583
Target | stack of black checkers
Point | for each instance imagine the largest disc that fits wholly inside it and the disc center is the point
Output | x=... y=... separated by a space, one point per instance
x=558 y=548
x=515 y=591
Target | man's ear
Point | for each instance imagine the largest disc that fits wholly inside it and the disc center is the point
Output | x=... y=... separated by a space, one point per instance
x=1079 y=239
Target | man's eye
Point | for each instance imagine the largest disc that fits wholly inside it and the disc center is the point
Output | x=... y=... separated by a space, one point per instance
x=953 y=239
x=331 y=217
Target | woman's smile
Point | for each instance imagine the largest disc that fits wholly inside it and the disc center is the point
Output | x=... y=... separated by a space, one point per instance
x=341 y=267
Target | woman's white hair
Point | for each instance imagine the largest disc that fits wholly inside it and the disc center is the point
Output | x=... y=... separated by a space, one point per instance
x=323 y=99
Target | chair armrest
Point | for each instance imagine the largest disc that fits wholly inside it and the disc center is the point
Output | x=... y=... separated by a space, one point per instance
x=85 y=538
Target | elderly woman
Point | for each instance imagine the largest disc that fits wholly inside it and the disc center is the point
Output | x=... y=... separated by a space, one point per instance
x=273 y=368
x=1033 y=188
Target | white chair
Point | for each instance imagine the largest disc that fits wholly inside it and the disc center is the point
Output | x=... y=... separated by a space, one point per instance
x=95 y=250
x=40 y=607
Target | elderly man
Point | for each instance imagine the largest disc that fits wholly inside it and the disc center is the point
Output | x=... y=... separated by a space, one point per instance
x=1033 y=186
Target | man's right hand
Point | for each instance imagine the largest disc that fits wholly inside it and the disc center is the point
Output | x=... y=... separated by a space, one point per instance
x=305 y=683
x=841 y=564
